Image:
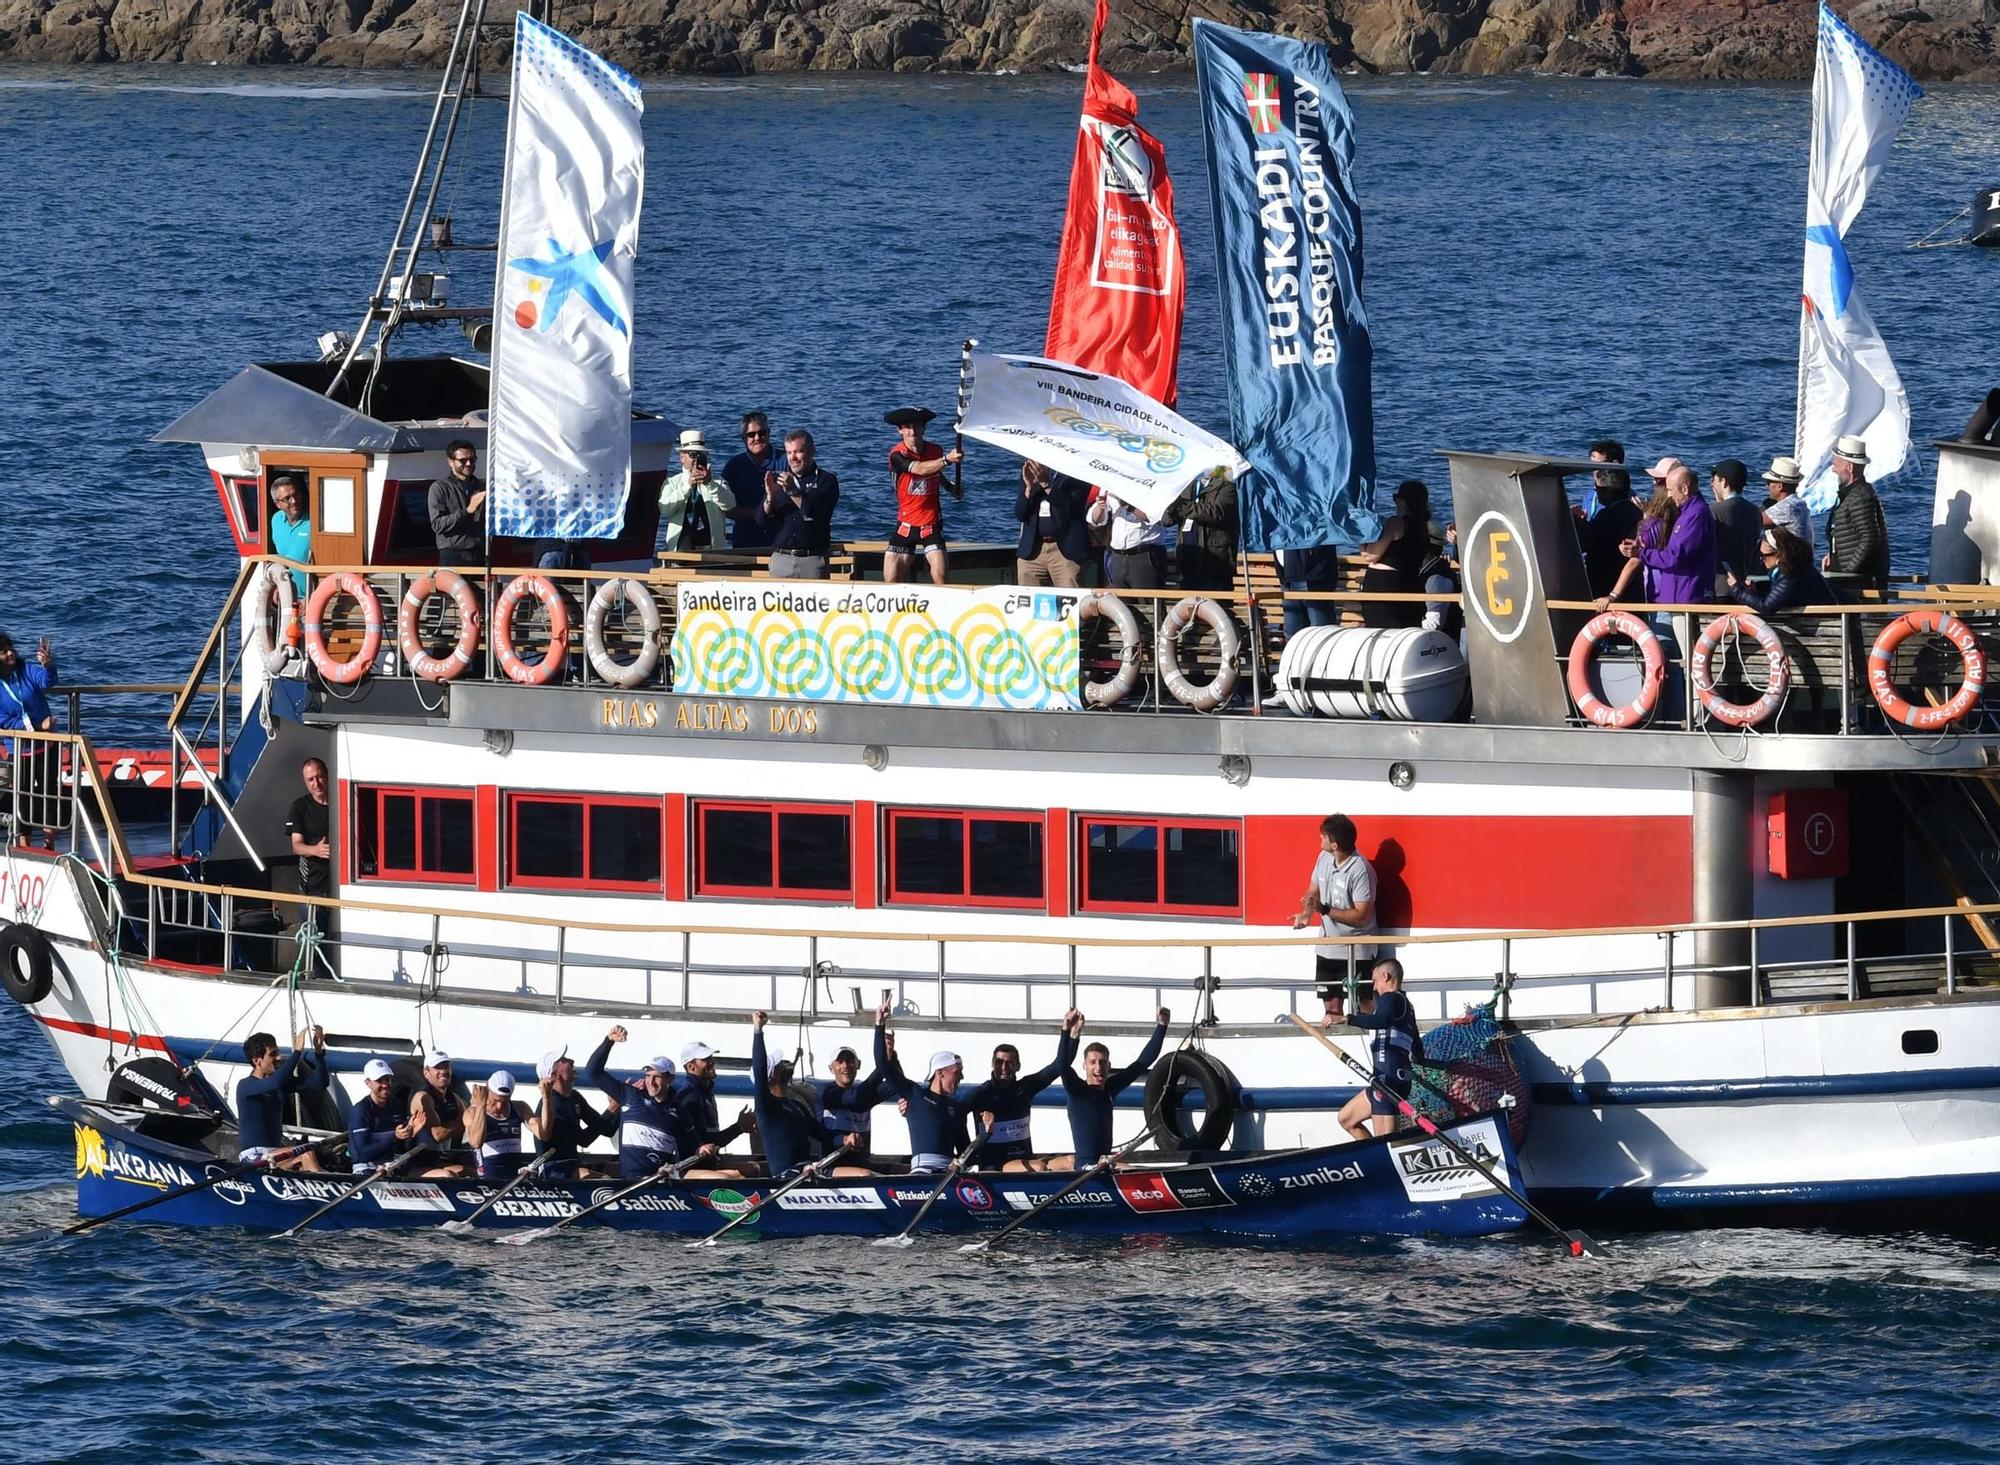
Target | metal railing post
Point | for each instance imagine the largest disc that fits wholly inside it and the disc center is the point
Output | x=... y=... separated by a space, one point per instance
x=1756 y=981
x=1506 y=976
x=1853 y=968
x=687 y=972
x=812 y=976
x=228 y=932
x=1672 y=1006
x=1846 y=678
x=940 y=980
x=152 y=922
x=1684 y=634
x=562 y=950
x=1950 y=959
x=1207 y=986
x=1072 y=983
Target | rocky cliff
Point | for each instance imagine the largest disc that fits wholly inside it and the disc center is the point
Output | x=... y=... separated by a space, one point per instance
x=1936 y=39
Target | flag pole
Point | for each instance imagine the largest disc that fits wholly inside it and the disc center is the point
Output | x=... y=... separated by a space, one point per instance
x=958 y=422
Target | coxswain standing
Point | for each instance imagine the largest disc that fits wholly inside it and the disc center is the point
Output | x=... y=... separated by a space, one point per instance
x=1091 y=1097
x=493 y=1127
x=649 y=1134
x=260 y=1098
x=1394 y=1047
x=936 y=1117
x=565 y=1122
x=1006 y=1101
x=378 y=1130
x=701 y=1129
x=919 y=468
x=791 y=1132
x=847 y=1107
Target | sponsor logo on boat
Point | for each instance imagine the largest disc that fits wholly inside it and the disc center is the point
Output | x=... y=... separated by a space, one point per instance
x=114 y=1162
x=1026 y=1200
x=638 y=1201
x=408 y=1195
x=1256 y=1184
x=974 y=1195
x=235 y=1192
x=1184 y=1190
x=1499 y=576
x=536 y=1207
x=732 y=1203
x=139 y=1079
x=1325 y=1175
x=289 y=1187
x=859 y=1198
x=1431 y=1172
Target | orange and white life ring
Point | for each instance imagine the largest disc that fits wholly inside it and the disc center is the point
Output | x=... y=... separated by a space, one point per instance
x=1777 y=670
x=635 y=594
x=343 y=582
x=1882 y=659
x=415 y=654
x=1583 y=653
x=1111 y=608
x=550 y=666
x=1228 y=646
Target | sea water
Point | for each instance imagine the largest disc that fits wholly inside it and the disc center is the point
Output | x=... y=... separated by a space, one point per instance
x=1548 y=262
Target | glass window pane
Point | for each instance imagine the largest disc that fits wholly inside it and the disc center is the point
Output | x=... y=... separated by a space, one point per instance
x=1121 y=864
x=448 y=836
x=929 y=855
x=1201 y=867
x=625 y=844
x=736 y=847
x=1007 y=859
x=399 y=832
x=548 y=839
x=367 y=833
x=336 y=505
x=813 y=852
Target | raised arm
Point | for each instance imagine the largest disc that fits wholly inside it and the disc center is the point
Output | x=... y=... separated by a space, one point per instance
x=595 y=1071
x=1148 y=1056
x=1035 y=1082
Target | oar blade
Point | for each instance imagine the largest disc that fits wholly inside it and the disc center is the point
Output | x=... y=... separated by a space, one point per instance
x=524 y=1237
x=903 y=1240
x=971 y=1247
x=1581 y=1245
x=456 y=1228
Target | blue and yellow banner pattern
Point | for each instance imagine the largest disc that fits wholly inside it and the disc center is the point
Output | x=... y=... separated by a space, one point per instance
x=1001 y=648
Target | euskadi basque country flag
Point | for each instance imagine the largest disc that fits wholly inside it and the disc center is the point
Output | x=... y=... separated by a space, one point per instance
x=1280 y=143
x=1120 y=284
x=1847 y=383
x=559 y=449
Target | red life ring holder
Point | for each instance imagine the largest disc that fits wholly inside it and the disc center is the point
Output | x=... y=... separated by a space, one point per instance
x=1882 y=659
x=415 y=656
x=1777 y=672
x=343 y=582
x=1583 y=653
x=550 y=666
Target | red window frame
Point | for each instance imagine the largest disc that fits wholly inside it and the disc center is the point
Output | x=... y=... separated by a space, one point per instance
x=892 y=896
x=384 y=872
x=698 y=851
x=1080 y=863
x=517 y=881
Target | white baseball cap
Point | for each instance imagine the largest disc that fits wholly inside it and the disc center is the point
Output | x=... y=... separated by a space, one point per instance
x=695 y=1052
x=502 y=1082
x=660 y=1063
x=375 y=1068
x=437 y=1058
x=941 y=1060
x=547 y=1067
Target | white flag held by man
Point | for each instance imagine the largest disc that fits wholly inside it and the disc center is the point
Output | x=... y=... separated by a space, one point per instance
x=1093 y=427
x=559 y=447
x=1847 y=383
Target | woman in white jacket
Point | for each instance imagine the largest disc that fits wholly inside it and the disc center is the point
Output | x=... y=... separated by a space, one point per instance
x=695 y=501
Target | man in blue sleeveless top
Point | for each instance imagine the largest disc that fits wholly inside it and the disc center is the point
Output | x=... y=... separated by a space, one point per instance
x=701 y=1129
x=378 y=1130
x=935 y=1115
x=847 y=1106
x=494 y=1122
x=564 y=1120
x=1005 y=1101
x=1393 y=1047
x=1091 y=1096
x=791 y=1132
x=260 y=1098
x=649 y=1134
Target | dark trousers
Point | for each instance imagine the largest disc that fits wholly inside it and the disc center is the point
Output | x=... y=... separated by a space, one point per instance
x=458 y=559
x=1302 y=613
x=1140 y=569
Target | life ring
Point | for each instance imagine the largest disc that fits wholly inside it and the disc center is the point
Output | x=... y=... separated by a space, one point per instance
x=1777 y=670
x=416 y=655
x=1583 y=652
x=1172 y=1080
x=1110 y=607
x=343 y=582
x=614 y=671
x=27 y=965
x=1882 y=658
x=550 y=666
x=274 y=582
x=1228 y=646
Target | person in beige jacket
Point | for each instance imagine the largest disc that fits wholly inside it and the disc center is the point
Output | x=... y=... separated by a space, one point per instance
x=696 y=501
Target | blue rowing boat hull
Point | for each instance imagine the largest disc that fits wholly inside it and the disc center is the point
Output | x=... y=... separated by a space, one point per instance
x=1403 y=1185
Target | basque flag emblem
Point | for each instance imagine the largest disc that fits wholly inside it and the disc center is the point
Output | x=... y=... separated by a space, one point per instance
x=1260 y=94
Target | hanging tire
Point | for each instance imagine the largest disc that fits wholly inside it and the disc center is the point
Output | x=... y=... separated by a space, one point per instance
x=1173 y=1079
x=27 y=964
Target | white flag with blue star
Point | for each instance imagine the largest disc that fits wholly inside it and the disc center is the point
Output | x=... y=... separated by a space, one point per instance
x=1847 y=383
x=559 y=446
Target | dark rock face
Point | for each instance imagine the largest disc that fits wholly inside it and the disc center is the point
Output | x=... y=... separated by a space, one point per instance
x=1935 y=39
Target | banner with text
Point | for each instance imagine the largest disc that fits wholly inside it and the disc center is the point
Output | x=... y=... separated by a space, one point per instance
x=1288 y=254
x=999 y=647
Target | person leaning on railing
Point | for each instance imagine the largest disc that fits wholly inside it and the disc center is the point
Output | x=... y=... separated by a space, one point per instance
x=1794 y=582
x=24 y=703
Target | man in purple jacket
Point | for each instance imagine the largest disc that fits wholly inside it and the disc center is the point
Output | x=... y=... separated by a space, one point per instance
x=1684 y=567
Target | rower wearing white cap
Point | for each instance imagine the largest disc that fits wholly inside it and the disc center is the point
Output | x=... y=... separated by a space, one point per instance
x=439 y=1114
x=648 y=1126
x=378 y=1129
x=847 y=1106
x=493 y=1126
x=565 y=1122
x=791 y=1131
x=936 y=1117
x=701 y=1131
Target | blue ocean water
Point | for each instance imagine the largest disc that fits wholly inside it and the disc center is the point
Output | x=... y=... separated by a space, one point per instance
x=1549 y=261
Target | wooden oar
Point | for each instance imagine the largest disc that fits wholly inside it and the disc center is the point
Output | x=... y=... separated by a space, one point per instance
x=1579 y=1244
x=1083 y=1178
x=380 y=1172
x=806 y=1172
x=951 y=1173
x=666 y=1172
x=533 y=1168
x=232 y=1173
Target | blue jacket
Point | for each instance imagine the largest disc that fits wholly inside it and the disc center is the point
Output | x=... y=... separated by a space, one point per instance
x=1090 y=1104
x=789 y=1129
x=1064 y=523
x=371 y=1133
x=260 y=1102
x=694 y=1113
x=649 y=1132
x=1786 y=592
x=851 y=1109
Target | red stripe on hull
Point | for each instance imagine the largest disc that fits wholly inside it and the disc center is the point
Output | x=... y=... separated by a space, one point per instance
x=92 y=1030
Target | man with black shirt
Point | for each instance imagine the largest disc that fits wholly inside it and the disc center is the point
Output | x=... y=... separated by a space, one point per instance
x=798 y=508
x=308 y=825
x=565 y=1123
x=457 y=507
x=748 y=473
x=1092 y=1096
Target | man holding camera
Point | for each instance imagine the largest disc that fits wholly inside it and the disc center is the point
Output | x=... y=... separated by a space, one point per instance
x=798 y=507
x=695 y=504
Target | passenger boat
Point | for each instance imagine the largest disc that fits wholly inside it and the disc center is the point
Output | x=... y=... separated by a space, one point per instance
x=1396 y=1186
x=1748 y=960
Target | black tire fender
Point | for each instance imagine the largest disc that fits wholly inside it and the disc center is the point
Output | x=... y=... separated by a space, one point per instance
x=27 y=964
x=1173 y=1078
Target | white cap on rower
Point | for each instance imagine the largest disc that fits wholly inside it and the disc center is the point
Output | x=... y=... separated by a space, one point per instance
x=695 y=1052
x=547 y=1067
x=660 y=1063
x=502 y=1082
x=437 y=1058
x=941 y=1060
x=375 y=1068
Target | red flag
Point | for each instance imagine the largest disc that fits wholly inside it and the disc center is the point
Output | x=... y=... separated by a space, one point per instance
x=1120 y=282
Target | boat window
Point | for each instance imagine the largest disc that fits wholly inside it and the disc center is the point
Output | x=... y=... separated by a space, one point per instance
x=774 y=851
x=976 y=859
x=1188 y=867
x=413 y=834
x=249 y=510
x=571 y=841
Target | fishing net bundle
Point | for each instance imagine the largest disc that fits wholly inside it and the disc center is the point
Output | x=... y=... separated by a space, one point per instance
x=1469 y=1059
